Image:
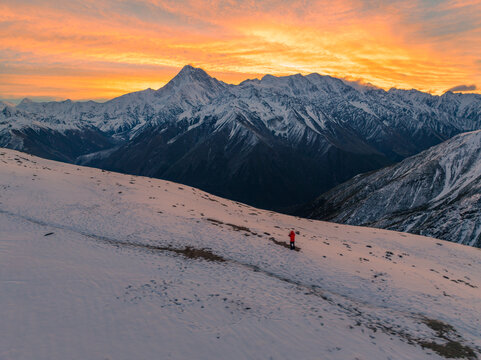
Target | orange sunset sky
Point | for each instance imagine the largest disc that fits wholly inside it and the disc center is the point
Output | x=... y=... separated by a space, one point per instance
x=59 y=49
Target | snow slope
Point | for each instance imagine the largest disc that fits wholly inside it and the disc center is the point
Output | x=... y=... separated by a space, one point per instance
x=100 y=265
x=435 y=193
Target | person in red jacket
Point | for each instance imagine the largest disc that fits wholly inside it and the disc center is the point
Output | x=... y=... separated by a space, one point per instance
x=292 y=235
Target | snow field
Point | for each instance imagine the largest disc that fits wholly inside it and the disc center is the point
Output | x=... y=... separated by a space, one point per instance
x=98 y=287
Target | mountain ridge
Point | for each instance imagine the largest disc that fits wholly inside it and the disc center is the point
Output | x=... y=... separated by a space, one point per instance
x=435 y=193
x=312 y=132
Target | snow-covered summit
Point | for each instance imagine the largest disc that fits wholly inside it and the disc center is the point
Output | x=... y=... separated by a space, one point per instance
x=6 y=103
x=192 y=87
x=190 y=75
x=25 y=102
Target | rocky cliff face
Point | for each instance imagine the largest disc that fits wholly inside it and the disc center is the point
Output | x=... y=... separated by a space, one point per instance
x=435 y=193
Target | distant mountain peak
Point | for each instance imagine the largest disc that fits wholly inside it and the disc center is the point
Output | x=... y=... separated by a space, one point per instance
x=191 y=74
x=194 y=83
x=6 y=104
x=26 y=101
x=191 y=69
x=268 y=77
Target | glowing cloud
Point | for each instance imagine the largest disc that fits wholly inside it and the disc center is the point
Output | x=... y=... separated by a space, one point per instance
x=101 y=49
x=463 y=88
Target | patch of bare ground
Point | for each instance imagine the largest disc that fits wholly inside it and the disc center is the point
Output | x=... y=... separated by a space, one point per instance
x=451 y=348
x=233 y=226
x=193 y=253
x=446 y=343
x=187 y=251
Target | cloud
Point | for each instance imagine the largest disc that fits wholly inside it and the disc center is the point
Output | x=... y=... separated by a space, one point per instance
x=463 y=88
x=88 y=48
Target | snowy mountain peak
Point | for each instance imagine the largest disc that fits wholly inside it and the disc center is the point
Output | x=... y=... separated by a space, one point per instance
x=6 y=103
x=24 y=102
x=268 y=77
x=189 y=75
x=189 y=72
x=7 y=110
x=192 y=86
x=291 y=85
x=296 y=78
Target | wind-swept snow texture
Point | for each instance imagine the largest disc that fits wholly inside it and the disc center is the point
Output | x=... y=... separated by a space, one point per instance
x=273 y=143
x=435 y=193
x=99 y=265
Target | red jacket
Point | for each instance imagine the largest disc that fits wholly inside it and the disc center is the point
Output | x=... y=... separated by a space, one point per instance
x=292 y=235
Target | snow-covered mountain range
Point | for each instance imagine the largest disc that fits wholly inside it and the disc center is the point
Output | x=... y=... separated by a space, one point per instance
x=435 y=193
x=101 y=265
x=273 y=142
